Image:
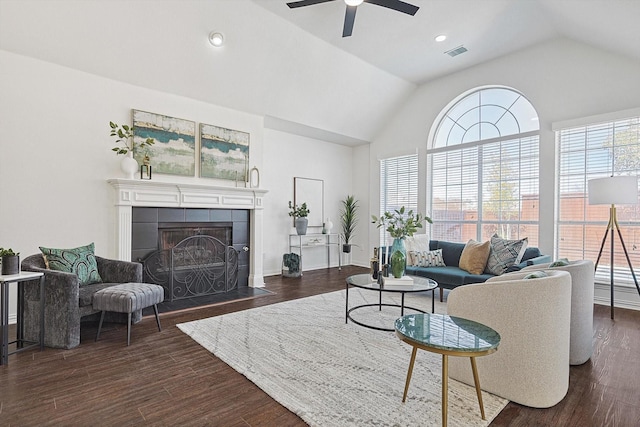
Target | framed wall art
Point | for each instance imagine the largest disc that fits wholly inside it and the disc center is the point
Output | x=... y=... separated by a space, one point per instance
x=224 y=153
x=174 y=151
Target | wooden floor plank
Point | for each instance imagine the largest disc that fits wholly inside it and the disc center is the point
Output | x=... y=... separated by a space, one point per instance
x=165 y=378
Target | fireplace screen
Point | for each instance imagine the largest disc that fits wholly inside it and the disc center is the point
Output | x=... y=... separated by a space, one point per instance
x=194 y=266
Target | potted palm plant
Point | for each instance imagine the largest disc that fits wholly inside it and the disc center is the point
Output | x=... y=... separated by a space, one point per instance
x=348 y=221
x=10 y=261
x=299 y=214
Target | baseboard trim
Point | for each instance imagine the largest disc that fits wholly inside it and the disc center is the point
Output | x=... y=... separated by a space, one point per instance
x=624 y=296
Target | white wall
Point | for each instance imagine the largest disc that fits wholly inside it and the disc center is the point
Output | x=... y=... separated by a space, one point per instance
x=56 y=150
x=55 y=157
x=563 y=79
x=287 y=156
x=362 y=192
x=268 y=65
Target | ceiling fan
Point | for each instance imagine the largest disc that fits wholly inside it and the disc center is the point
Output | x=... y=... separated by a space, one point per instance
x=352 y=5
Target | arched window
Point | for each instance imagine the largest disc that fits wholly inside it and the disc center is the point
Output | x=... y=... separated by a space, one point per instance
x=483 y=168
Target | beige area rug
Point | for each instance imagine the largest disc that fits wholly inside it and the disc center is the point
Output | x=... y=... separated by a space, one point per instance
x=330 y=373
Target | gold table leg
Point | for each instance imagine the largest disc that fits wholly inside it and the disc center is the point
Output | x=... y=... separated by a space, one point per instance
x=445 y=383
x=476 y=380
x=445 y=388
x=409 y=372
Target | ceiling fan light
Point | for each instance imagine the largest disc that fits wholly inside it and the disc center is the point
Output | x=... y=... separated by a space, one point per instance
x=353 y=2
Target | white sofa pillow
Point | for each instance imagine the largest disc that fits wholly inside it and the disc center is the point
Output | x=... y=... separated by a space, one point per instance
x=426 y=258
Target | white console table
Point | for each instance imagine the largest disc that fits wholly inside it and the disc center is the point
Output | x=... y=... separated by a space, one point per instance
x=307 y=241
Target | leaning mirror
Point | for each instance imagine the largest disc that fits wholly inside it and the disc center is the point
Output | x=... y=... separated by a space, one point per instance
x=311 y=192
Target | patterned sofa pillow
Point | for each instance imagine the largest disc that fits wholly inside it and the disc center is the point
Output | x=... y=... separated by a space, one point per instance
x=79 y=261
x=426 y=258
x=536 y=275
x=562 y=262
x=504 y=253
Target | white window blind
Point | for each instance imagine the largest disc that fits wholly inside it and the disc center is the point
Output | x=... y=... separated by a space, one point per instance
x=597 y=151
x=398 y=186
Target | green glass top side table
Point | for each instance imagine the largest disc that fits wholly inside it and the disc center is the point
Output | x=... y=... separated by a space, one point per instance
x=448 y=336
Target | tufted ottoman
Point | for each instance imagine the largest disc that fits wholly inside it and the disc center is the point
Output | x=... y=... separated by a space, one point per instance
x=127 y=298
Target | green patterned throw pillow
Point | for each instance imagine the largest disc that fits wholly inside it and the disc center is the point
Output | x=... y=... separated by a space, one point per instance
x=559 y=263
x=79 y=261
x=536 y=275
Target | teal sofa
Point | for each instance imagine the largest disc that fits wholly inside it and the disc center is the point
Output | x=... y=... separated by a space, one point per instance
x=452 y=276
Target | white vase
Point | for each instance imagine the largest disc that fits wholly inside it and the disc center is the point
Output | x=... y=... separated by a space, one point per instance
x=129 y=165
x=328 y=225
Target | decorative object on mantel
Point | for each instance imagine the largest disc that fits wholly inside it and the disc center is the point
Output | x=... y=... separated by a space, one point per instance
x=299 y=214
x=145 y=168
x=224 y=153
x=400 y=224
x=126 y=144
x=254 y=178
x=175 y=151
x=349 y=220
x=10 y=261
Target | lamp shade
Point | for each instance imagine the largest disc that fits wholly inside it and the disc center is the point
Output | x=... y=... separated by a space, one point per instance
x=613 y=190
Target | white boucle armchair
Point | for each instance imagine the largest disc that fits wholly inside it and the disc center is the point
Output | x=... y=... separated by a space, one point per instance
x=582 y=289
x=532 y=316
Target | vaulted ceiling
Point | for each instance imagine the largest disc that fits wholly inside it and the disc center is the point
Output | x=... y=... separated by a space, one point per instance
x=404 y=45
x=291 y=65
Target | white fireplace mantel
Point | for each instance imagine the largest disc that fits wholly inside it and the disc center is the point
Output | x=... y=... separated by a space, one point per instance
x=148 y=193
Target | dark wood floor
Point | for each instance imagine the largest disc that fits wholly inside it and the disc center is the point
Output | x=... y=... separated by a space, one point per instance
x=165 y=378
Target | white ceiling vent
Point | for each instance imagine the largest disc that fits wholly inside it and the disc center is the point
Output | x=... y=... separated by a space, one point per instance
x=456 y=51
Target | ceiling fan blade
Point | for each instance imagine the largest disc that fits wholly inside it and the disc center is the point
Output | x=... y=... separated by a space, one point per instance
x=398 y=5
x=349 y=19
x=302 y=3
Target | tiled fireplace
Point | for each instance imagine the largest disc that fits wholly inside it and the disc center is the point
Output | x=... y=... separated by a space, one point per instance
x=189 y=198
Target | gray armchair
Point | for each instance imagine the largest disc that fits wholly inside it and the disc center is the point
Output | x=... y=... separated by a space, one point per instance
x=67 y=303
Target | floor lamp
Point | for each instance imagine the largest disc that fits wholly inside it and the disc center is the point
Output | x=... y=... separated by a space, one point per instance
x=614 y=190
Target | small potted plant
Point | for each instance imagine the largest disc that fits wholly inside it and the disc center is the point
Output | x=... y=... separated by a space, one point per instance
x=10 y=261
x=126 y=145
x=348 y=220
x=299 y=214
x=400 y=224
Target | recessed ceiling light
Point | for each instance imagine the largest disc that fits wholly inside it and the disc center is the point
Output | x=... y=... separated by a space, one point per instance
x=441 y=38
x=216 y=39
x=353 y=2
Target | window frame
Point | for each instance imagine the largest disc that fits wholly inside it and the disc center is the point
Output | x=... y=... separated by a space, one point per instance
x=593 y=223
x=531 y=137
